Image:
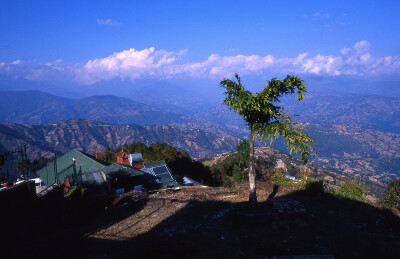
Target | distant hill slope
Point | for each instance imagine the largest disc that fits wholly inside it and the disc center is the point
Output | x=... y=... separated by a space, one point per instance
x=364 y=111
x=36 y=107
x=367 y=112
x=369 y=154
x=92 y=136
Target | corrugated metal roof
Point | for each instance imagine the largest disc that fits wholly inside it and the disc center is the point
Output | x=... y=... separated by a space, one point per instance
x=155 y=163
x=163 y=180
x=118 y=170
x=84 y=163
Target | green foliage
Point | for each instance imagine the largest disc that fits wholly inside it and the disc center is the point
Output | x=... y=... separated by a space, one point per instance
x=352 y=190
x=391 y=198
x=268 y=120
x=136 y=147
x=305 y=175
x=237 y=174
x=243 y=149
x=76 y=191
x=264 y=117
x=227 y=181
x=108 y=156
x=278 y=178
x=225 y=167
x=159 y=151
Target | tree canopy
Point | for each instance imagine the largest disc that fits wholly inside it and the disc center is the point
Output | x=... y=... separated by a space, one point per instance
x=265 y=118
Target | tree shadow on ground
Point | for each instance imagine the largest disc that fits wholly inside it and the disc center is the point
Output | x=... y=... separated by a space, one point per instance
x=327 y=226
x=274 y=192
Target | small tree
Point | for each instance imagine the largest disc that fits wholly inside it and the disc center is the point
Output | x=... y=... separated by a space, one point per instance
x=266 y=119
x=237 y=174
x=352 y=189
x=108 y=156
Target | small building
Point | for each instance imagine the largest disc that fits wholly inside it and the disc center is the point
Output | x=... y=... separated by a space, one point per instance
x=80 y=168
x=290 y=177
x=189 y=182
x=281 y=165
x=126 y=177
x=69 y=165
x=122 y=157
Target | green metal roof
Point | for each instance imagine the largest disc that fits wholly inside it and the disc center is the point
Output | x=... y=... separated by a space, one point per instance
x=83 y=163
x=118 y=170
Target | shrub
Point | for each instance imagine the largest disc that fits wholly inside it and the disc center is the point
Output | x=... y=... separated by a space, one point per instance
x=227 y=181
x=305 y=174
x=352 y=189
x=237 y=174
x=391 y=198
x=278 y=177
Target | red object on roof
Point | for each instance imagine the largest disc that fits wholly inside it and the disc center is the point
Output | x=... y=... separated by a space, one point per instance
x=66 y=185
x=98 y=155
x=139 y=165
x=122 y=157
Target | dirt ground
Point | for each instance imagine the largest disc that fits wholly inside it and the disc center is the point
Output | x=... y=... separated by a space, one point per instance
x=216 y=222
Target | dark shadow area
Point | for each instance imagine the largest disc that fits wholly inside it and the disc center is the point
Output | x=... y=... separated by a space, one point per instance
x=325 y=226
x=274 y=192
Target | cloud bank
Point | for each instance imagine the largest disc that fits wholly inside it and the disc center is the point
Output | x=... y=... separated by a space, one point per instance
x=135 y=64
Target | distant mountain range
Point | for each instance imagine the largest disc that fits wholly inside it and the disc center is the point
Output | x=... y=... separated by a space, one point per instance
x=356 y=135
x=92 y=136
x=366 y=112
x=354 y=110
x=369 y=154
x=36 y=107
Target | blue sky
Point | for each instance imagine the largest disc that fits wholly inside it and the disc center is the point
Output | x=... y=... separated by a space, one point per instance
x=87 y=42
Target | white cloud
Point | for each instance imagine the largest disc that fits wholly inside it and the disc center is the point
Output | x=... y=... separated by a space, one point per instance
x=128 y=63
x=135 y=64
x=36 y=71
x=352 y=61
x=108 y=22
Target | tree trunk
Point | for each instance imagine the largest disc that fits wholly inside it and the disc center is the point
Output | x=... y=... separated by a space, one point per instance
x=252 y=171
